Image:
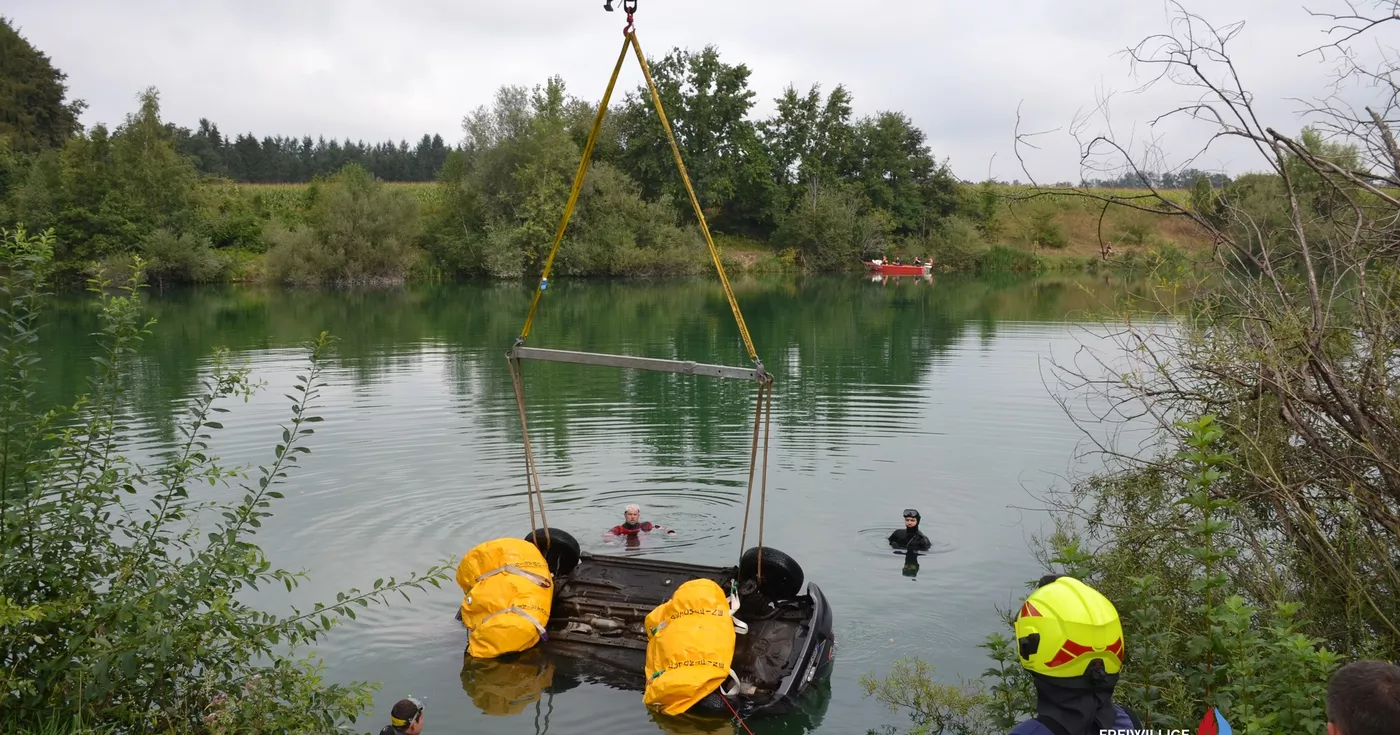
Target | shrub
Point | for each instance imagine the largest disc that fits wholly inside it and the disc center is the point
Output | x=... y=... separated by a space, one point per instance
x=830 y=230
x=1045 y=232
x=932 y=706
x=187 y=258
x=957 y=244
x=1002 y=258
x=1135 y=233
x=356 y=231
x=130 y=614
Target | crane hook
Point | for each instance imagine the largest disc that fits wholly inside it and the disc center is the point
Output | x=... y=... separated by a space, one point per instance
x=628 y=6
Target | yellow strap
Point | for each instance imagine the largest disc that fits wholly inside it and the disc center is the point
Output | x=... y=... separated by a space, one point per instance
x=694 y=202
x=573 y=193
x=631 y=39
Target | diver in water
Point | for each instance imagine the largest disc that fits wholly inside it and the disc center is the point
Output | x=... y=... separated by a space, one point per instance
x=633 y=525
x=406 y=718
x=910 y=537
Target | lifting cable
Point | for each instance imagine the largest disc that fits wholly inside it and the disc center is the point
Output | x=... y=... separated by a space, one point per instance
x=763 y=407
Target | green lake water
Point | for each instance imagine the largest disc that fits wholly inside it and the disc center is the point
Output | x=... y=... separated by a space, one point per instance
x=934 y=394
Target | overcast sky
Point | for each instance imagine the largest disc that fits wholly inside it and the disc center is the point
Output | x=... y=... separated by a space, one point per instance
x=379 y=70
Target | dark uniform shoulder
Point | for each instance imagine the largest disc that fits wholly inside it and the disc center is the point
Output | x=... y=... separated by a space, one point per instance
x=1028 y=727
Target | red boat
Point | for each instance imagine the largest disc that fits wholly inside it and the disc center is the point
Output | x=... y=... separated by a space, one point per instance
x=892 y=269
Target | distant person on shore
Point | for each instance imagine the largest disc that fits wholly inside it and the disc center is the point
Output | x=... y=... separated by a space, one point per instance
x=406 y=718
x=633 y=526
x=910 y=537
x=1363 y=698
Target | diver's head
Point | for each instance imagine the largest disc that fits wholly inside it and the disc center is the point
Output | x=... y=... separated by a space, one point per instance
x=632 y=514
x=407 y=716
x=911 y=518
x=1070 y=634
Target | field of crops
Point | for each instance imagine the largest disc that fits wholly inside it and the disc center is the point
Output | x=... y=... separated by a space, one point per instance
x=1179 y=196
x=275 y=195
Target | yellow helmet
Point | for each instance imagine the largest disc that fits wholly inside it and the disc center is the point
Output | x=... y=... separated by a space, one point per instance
x=1064 y=626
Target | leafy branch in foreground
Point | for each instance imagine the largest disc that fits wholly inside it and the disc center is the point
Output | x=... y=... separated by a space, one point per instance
x=116 y=603
x=932 y=706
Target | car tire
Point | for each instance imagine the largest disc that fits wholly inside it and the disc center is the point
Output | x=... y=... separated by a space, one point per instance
x=782 y=575
x=560 y=549
x=711 y=705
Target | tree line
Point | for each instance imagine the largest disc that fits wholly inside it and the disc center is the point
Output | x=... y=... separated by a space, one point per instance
x=819 y=184
x=283 y=160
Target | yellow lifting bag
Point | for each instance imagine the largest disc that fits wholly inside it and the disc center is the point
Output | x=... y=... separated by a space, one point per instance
x=690 y=647
x=508 y=594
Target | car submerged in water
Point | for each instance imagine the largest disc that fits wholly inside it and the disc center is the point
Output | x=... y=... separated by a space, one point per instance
x=601 y=602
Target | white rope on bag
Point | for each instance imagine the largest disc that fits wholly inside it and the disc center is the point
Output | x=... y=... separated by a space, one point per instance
x=522 y=613
x=512 y=569
x=740 y=626
x=734 y=689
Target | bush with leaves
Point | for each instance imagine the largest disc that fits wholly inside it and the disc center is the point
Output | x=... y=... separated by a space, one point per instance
x=933 y=707
x=186 y=258
x=956 y=244
x=833 y=228
x=1205 y=643
x=121 y=584
x=357 y=231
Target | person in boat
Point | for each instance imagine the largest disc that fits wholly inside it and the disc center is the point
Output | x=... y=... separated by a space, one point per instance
x=910 y=537
x=1069 y=637
x=406 y=718
x=633 y=525
x=918 y=260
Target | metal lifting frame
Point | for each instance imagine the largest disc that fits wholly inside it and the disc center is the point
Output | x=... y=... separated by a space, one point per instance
x=683 y=367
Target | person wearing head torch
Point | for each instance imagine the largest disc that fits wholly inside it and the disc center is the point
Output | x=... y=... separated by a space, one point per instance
x=910 y=538
x=406 y=718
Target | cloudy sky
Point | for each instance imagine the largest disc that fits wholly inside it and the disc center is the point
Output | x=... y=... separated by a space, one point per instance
x=378 y=70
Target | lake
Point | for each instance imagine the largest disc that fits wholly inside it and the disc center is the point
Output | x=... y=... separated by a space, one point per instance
x=935 y=395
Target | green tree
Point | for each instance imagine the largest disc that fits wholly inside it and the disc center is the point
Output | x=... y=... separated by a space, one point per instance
x=106 y=193
x=503 y=196
x=34 y=114
x=707 y=102
x=157 y=183
x=898 y=174
x=808 y=140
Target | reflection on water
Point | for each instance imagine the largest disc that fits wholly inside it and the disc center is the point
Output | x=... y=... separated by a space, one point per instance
x=911 y=563
x=901 y=393
x=507 y=685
